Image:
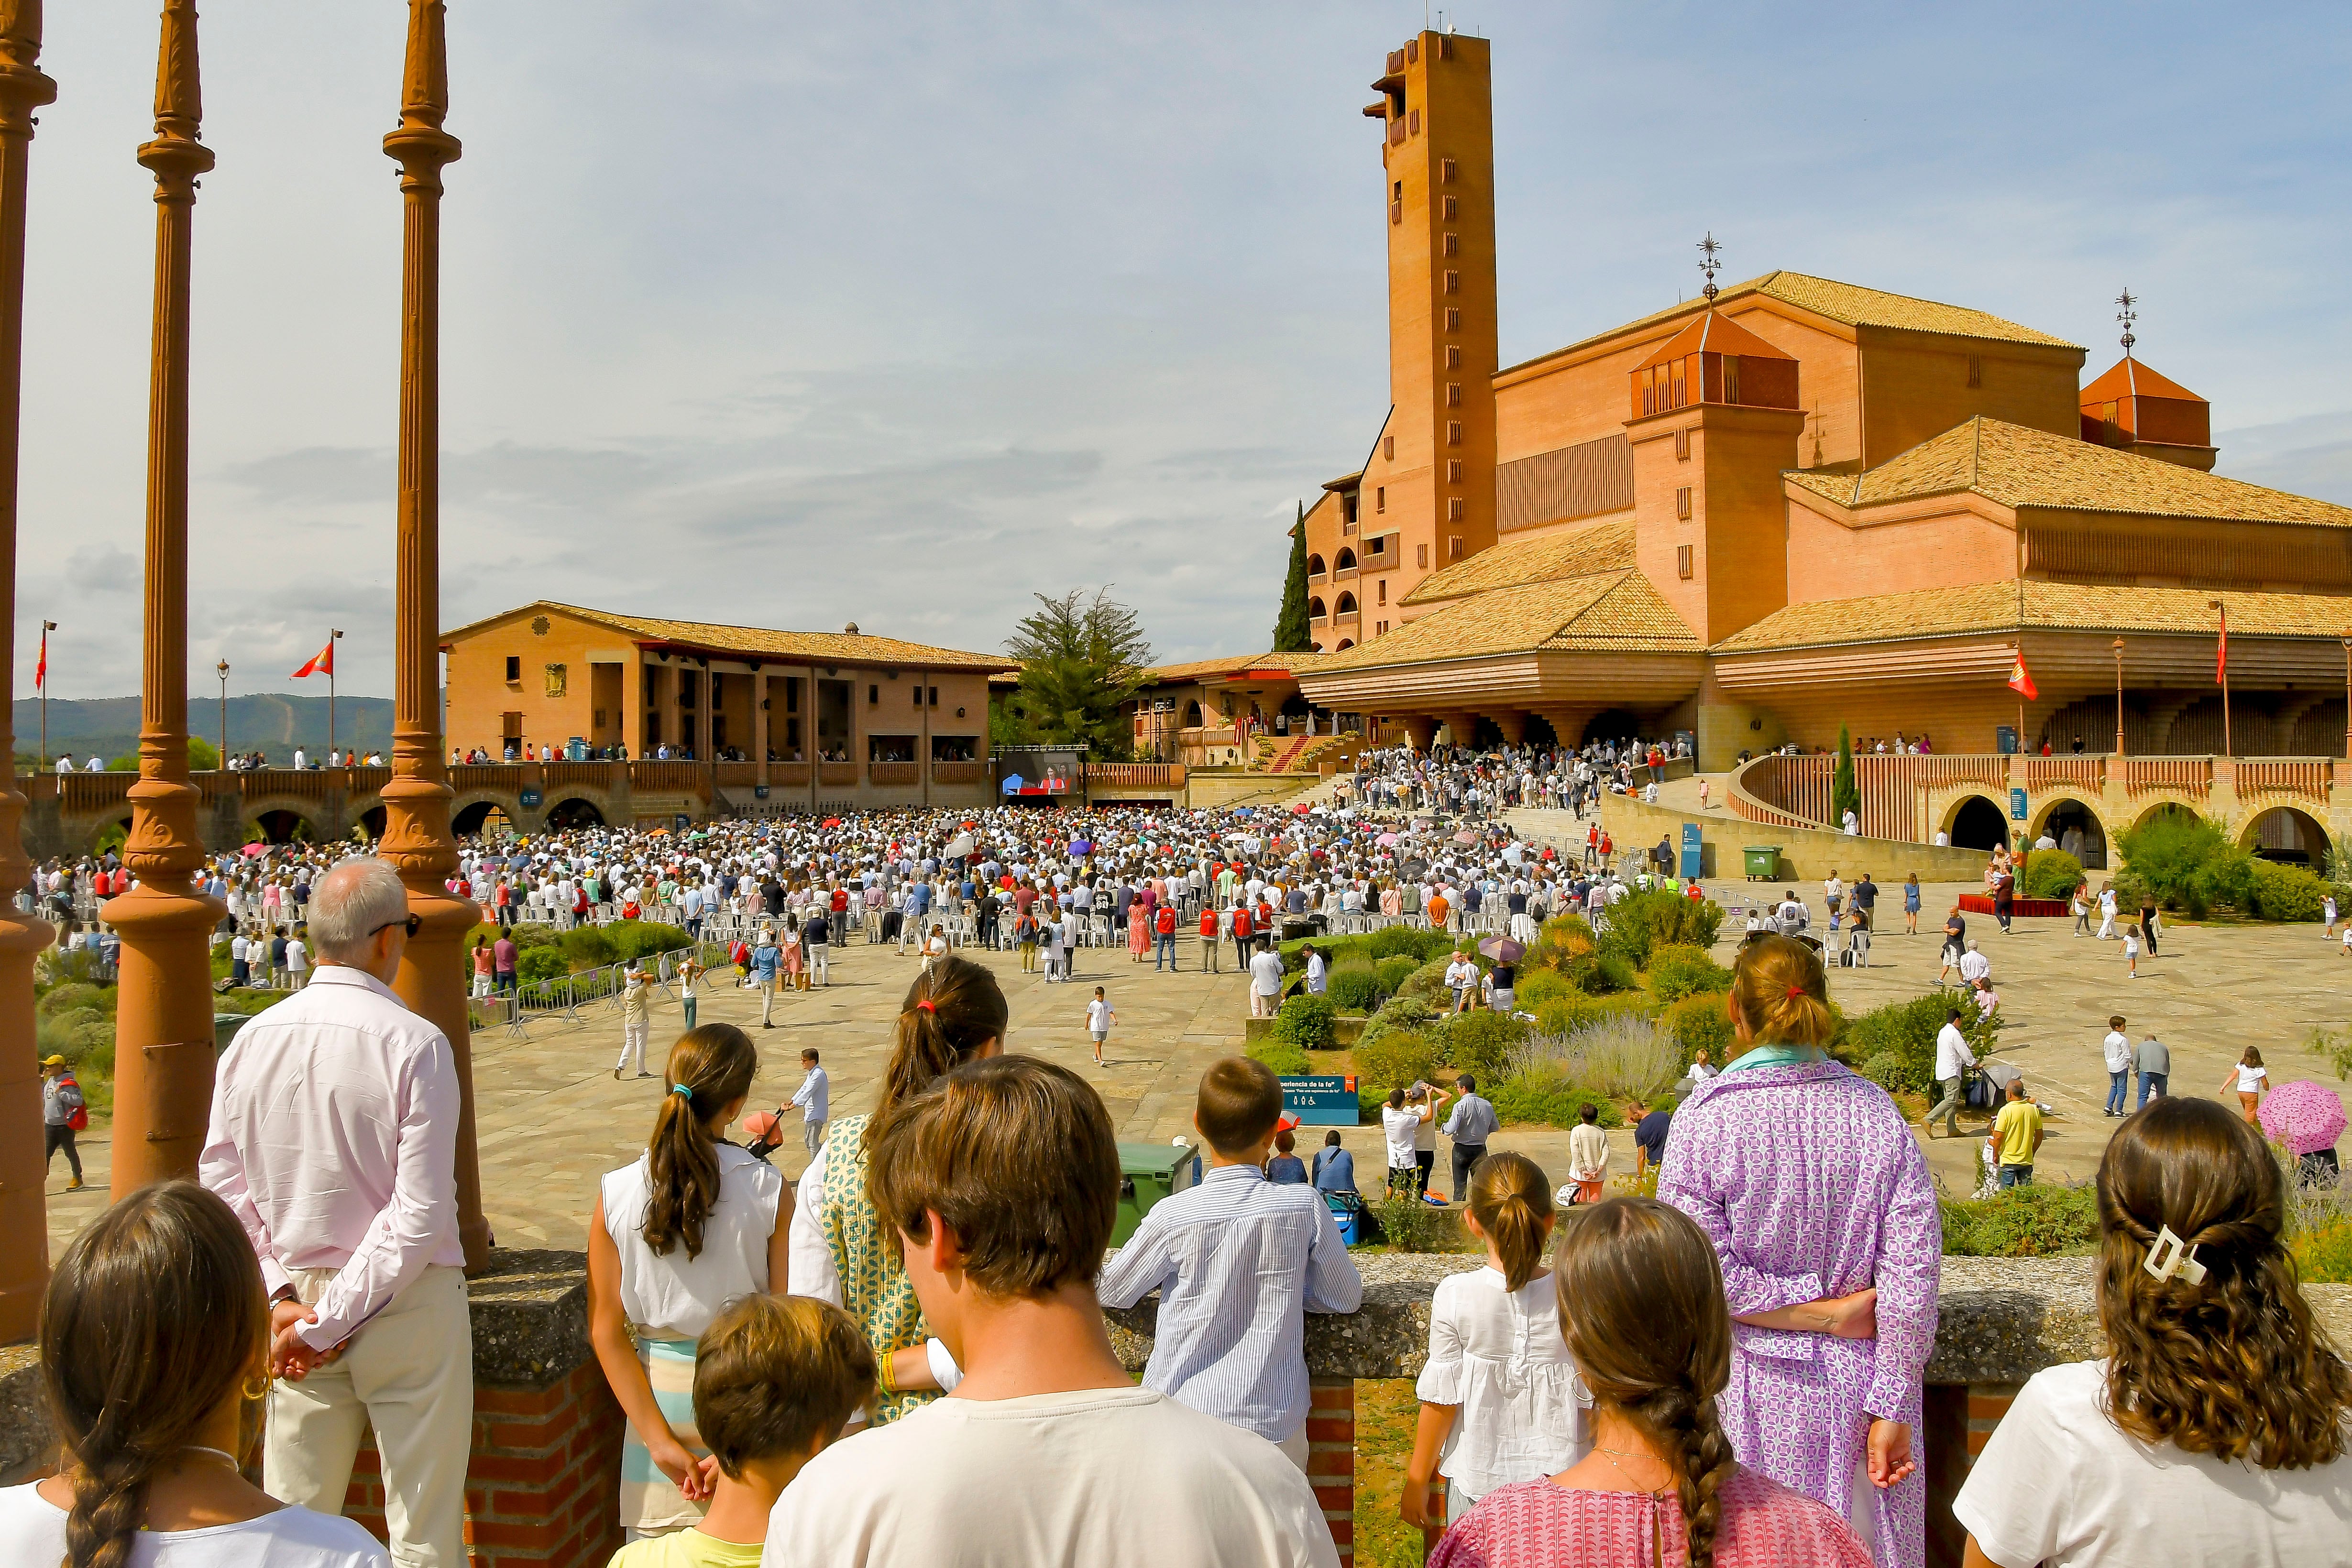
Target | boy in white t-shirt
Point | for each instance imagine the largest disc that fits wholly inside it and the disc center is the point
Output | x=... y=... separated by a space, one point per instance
x=2116 y=1051
x=1100 y=1016
x=1000 y=1181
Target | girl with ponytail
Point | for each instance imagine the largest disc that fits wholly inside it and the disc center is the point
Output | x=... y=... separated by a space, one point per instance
x=1499 y=1398
x=1643 y=1315
x=154 y=1337
x=1808 y=1182
x=842 y=1251
x=692 y=1224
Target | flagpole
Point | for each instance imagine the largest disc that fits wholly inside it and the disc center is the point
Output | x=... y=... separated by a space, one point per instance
x=331 y=635
x=2221 y=673
x=46 y=627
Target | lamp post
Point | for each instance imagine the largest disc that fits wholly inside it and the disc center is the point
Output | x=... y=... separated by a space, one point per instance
x=417 y=837
x=222 y=669
x=24 y=1249
x=2119 y=646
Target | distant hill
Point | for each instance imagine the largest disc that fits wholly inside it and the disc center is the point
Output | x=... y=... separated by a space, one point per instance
x=272 y=724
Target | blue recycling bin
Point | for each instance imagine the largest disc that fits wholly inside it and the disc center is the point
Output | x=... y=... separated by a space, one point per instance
x=1693 y=855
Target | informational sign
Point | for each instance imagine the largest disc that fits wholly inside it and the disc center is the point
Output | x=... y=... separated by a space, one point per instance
x=759 y=791
x=1693 y=858
x=531 y=798
x=2004 y=739
x=1324 y=1100
x=681 y=822
x=2016 y=805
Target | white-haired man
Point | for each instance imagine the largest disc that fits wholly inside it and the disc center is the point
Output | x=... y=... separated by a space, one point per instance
x=334 y=1137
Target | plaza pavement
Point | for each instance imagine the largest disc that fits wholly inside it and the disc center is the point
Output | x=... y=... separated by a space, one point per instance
x=553 y=1118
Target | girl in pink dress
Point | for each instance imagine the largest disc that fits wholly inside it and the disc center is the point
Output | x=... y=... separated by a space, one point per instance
x=1138 y=930
x=1642 y=1309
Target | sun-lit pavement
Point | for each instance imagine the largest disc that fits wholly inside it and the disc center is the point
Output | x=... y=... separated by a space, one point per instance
x=553 y=1119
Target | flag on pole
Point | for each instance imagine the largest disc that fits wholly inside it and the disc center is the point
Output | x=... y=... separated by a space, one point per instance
x=324 y=665
x=41 y=670
x=2221 y=653
x=2021 y=682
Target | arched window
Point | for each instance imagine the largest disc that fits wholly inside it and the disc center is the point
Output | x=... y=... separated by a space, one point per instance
x=1345 y=643
x=1315 y=609
x=1192 y=715
x=1347 y=560
x=1313 y=566
x=1347 y=604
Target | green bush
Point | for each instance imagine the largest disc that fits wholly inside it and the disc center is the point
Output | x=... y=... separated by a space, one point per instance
x=2276 y=892
x=1892 y=1073
x=2187 y=862
x=1398 y=1059
x=2043 y=1219
x=1395 y=942
x=73 y=994
x=1409 y=1225
x=525 y=937
x=1611 y=972
x=544 y=962
x=643 y=939
x=1701 y=1023
x=1428 y=982
x=1549 y=1103
x=1480 y=1042
x=1394 y=972
x=2050 y=873
x=1409 y=1015
x=1353 y=987
x=1307 y=1023
x=1677 y=971
x=1283 y=1056
x=1538 y=986
x=1908 y=1031
x=1647 y=921
x=2323 y=1253
x=589 y=948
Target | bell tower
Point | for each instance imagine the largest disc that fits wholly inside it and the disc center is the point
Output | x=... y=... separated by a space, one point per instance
x=1428 y=492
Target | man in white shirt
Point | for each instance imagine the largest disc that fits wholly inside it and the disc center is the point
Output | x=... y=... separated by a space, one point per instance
x=297 y=962
x=66 y=763
x=1954 y=1062
x=1974 y=965
x=1266 y=982
x=2116 y=1049
x=299 y=760
x=1046 y=1451
x=1460 y=978
x=334 y=1137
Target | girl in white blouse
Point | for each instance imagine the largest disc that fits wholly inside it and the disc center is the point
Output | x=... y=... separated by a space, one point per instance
x=693 y=1224
x=1500 y=1399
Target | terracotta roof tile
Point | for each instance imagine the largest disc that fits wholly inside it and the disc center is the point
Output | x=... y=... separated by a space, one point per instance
x=2020 y=467
x=815 y=647
x=1233 y=664
x=1613 y=609
x=1576 y=552
x=1994 y=607
x=1632 y=614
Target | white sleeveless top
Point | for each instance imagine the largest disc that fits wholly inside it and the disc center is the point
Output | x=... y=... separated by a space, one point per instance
x=679 y=1294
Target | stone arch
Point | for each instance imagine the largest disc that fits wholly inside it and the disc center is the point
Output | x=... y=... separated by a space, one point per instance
x=1611 y=723
x=1345 y=643
x=1314 y=608
x=1313 y=566
x=1192 y=715
x=2286 y=833
x=473 y=808
x=576 y=812
x=109 y=833
x=371 y=821
x=2062 y=809
x=283 y=824
x=1346 y=559
x=1346 y=605
x=1976 y=822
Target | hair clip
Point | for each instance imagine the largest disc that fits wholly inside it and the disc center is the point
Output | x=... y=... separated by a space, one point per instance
x=2178 y=1258
x=928 y=1005
x=1796 y=991
x=685 y=1090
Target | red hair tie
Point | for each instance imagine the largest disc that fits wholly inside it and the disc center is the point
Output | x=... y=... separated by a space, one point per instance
x=926 y=1004
x=1796 y=991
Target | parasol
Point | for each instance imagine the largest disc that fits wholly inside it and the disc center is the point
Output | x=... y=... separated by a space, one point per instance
x=1386 y=840
x=2305 y=1116
x=1467 y=836
x=253 y=850
x=1082 y=846
x=1501 y=949
x=833 y=822
x=1301 y=808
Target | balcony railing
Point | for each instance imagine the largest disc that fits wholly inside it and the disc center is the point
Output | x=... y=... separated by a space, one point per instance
x=842 y=774
x=959 y=772
x=891 y=773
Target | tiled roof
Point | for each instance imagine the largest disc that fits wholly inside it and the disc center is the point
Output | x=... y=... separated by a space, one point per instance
x=1847 y=302
x=2128 y=378
x=1615 y=610
x=2020 y=467
x=1578 y=552
x=1714 y=333
x=812 y=647
x=2000 y=607
x=1233 y=664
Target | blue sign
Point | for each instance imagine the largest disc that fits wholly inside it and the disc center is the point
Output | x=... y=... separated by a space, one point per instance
x=531 y=798
x=759 y=791
x=1692 y=857
x=2016 y=805
x=1325 y=1099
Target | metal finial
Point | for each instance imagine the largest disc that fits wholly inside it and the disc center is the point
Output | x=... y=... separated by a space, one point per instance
x=1710 y=263
x=2128 y=315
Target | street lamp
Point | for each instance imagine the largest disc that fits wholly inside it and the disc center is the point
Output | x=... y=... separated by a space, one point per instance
x=222 y=669
x=2119 y=646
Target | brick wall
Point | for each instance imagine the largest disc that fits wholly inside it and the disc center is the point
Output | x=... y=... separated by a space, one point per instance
x=542 y=1484
x=1331 y=1458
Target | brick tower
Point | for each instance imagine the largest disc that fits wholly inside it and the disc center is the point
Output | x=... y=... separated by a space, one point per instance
x=1428 y=492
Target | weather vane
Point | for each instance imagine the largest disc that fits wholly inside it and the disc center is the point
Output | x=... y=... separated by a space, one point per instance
x=1710 y=262
x=2128 y=315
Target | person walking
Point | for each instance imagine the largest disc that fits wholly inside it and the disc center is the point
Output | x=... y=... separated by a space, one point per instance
x=2016 y=1138
x=1911 y=904
x=814 y=1097
x=1163 y=917
x=816 y=938
x=690 y=1225
x=689 y=969
x=2147 y=923
x=2155 y=1063
x=1265 y=983
x=1209 y=943
x=2116 y=1050
x=2078 y=904
x=766 y=960
x=1954 y=1062
x=1473 y=1122
x=333 y=1136
x=2253 y=1081
x=64 y=1113
x=1100 y=1016
x=637 y=1018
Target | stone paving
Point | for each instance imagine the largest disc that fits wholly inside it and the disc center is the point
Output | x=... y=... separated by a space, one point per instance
x=552 y=1117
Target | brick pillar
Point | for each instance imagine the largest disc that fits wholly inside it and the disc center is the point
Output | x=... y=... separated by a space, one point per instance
x=1331 y=1458
x=1955 y=1420
x=1513 y=722
x=1422 y=729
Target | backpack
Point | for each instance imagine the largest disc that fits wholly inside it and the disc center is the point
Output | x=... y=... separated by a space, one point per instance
x=77 y=1109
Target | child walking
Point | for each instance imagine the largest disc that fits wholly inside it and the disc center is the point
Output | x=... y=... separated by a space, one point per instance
x=1100 y=1016
x=2131 y=952
x=1500 y=1400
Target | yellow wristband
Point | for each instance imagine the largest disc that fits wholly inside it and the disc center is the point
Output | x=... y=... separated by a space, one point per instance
x=883 y=1369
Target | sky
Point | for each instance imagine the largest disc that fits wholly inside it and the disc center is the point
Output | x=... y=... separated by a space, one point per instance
x=900 y=312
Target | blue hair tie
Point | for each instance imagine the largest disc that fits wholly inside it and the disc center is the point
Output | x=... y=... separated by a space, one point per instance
x=685 y=1089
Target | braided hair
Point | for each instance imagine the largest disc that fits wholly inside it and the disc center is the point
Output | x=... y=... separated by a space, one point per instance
x=1642 y=1308
x=155 y=1317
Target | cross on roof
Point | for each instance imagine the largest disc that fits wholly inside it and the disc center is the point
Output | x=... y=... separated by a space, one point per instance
x=1710 y=262
x=2128 y=315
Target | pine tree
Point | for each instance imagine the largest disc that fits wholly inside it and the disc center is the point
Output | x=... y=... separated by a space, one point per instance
x=1845 y=794
x=1292 y=633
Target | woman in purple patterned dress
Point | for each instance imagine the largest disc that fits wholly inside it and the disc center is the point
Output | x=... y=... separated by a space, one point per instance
x=1819 y=1204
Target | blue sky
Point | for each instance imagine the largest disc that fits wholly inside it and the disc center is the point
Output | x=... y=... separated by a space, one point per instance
x=899 y=312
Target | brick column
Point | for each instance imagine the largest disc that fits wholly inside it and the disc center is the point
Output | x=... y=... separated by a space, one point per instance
x=1513 y=722
x=1331 y=1458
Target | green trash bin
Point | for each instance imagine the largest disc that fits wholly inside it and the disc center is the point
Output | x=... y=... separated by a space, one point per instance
x=225 y=1027
x=1763 y=862
x=1148 y=1172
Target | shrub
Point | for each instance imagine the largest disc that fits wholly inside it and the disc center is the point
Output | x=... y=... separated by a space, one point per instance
x=1353 y=987
x=642 y=938
x=2044 y=1220
x=1611 y=972
x=544 y=962
x=588 y=946
x=1551 y=1103
x=1305 y=1023
x=1481 y=1042
x=72 y=995
x=525 y=937
x=1621 y=1054
x=1409 y=1225
x=1428 y=982
x=1406 y=1014
x=1647 y=921
x=2277 y=891
x=1565 y=945
x=1394 y=942
x=1538 y=986
x=1908 y=1030
x=1892 y=1073
x=1392 y=973
x=2187 y=862
x=2323 y=1254
x=1701 y=1022
x=1677 y=971
x=83 y=1035
x=2050 y=873
x=1285 y=1057
x=1398 y=1059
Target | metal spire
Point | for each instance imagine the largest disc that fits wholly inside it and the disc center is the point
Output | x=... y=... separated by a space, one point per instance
x=2128 y=315
x=1710 y=263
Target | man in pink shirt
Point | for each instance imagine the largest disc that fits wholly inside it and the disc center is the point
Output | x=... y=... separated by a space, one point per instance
x=334 y=1137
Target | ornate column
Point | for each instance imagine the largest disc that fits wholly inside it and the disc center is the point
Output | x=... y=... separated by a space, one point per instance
x=417 y=836
x=24 y=1241
x=163 y=1015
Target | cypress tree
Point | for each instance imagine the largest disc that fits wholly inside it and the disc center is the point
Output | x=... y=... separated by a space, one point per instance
x=1292 y=633
x=1845 y=793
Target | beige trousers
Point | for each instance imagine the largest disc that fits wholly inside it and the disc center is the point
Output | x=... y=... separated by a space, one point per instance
x=409 y=1374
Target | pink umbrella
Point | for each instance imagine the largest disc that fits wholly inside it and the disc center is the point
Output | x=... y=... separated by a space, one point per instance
x=2305 y=1116
x=1386 y=840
